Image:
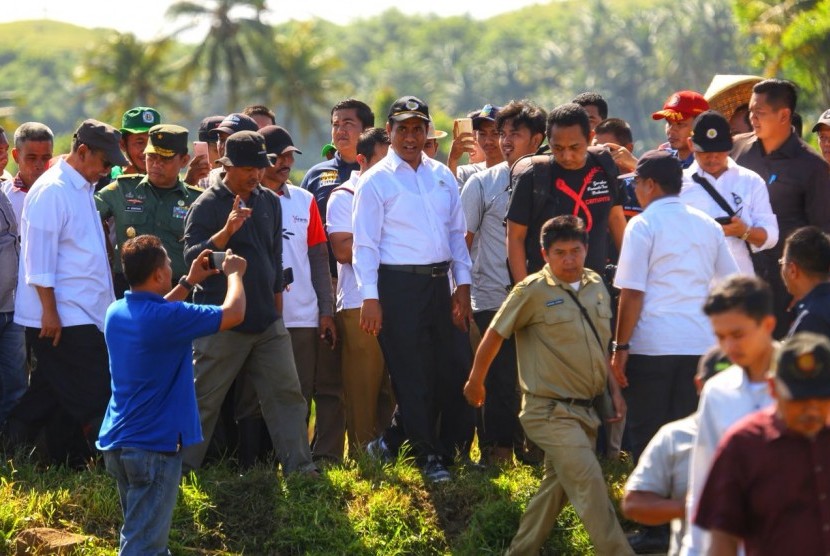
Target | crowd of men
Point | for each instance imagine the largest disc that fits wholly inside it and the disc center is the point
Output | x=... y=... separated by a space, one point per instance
x=162 y=303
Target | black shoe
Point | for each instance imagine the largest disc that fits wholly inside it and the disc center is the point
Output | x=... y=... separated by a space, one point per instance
x=434 y=471
x=650 y=540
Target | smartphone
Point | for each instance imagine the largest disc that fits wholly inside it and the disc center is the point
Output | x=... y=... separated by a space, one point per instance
x=200 y=148
x=287 y=276
x=723 y=220
x=329 y=338
x=462 y=125
x=216 y=259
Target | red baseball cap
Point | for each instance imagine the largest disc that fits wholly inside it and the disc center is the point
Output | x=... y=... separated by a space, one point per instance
x=681 y=106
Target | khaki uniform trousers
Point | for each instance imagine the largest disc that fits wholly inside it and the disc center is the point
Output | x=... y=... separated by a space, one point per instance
x=367 y=390
x=567 y=434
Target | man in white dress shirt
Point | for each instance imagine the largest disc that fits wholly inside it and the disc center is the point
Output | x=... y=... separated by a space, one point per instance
x=408 y=238
x=64 y=289
x=670 y=255
x=749 y=225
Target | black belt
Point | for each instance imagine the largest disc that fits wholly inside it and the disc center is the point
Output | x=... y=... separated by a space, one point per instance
x=436 y=270
x=575 y=401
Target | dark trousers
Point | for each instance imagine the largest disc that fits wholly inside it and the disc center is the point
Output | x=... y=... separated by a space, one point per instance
x=767 y=268
x=456 y=418
x=498 y=421
x=660 y=389
x=68 y=392
x=416 y=340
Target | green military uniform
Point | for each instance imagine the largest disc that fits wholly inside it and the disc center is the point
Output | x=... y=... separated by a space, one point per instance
x=562 y=367
x=138 y=207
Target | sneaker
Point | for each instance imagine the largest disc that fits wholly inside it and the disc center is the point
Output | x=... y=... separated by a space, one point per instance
x=434 y=471
x=377 y=449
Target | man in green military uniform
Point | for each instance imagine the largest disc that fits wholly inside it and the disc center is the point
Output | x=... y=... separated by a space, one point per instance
x=135 y=126
x=155 y=204
x=561 y=317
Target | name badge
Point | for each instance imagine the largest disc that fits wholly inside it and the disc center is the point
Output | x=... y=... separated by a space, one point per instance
x=555 y=302
x=134 y=208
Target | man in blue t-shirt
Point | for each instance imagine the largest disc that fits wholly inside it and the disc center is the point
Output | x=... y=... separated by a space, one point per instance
x=152 y=413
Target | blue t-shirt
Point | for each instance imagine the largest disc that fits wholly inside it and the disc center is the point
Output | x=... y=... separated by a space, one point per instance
x=153 y=404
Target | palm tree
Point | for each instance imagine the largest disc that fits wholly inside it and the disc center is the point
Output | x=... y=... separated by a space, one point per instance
x=231 y=44
x=298 y=80
x=123 y=72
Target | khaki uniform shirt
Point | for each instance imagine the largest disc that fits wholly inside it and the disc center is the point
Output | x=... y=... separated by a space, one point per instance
x=558 y=354
x=139 y=208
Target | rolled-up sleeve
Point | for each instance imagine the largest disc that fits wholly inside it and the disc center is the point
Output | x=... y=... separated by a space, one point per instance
x=367 y=221
x=43 y=221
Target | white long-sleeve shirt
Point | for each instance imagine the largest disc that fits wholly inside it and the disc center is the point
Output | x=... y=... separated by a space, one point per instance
x=725 y=399
x=62 y=247
x=404 y=216
x=744 y=191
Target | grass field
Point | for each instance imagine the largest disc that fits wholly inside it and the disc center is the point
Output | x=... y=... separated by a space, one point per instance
x=359 y=507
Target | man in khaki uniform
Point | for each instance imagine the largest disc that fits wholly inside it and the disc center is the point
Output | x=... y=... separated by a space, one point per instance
x=561 y=318
x=155 y=203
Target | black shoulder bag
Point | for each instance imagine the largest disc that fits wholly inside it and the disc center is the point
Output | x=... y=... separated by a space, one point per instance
x=603 y=404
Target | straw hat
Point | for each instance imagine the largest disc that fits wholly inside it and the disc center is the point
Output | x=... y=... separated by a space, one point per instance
x=728 y=92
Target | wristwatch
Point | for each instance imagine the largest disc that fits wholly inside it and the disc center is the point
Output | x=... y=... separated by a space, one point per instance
x=185 y=284
x=615 y=347
x=746 y=234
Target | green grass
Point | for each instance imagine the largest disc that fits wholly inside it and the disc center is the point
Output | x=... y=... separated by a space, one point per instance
x=360 y=507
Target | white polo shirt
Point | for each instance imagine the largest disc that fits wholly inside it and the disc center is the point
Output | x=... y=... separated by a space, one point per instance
x=62 y=247
x=339 y=220
x=301 y=228
x=744 y=191
x=672 y=252
x=726 y=398
x=664 y=469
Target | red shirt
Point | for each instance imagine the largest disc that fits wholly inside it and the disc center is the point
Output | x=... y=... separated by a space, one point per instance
x=771 y=487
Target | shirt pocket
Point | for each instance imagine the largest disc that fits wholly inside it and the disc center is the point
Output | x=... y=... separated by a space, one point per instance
x=560 y=316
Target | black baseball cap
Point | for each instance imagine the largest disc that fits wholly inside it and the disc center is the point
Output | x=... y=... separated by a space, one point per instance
x=803 y=370
x=409 y=107
x=235 y=122
x=247 y=149
x=711 y=133
x=207 y=125
x=103 y=137
x=660 y=165
x=278 y=140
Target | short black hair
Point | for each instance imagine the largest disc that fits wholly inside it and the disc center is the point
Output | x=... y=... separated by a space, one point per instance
x=563 y=228
x=364 y=113
x=778 y=93
x=590 y=98
x=747 y=294
x=523 y=113
x=797 y=123
x=371 y=138
x=140 y=257
x=809 y=248
x=260 y=110
x=567 y=115
x=617 y=127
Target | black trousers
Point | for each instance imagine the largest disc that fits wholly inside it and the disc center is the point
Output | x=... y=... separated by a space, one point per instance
x=660 y=389
x=767 y=268
x=416 y=340
x=498 y=421
x=68 y=392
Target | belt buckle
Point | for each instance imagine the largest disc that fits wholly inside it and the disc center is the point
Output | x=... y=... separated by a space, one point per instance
x=437 y=272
